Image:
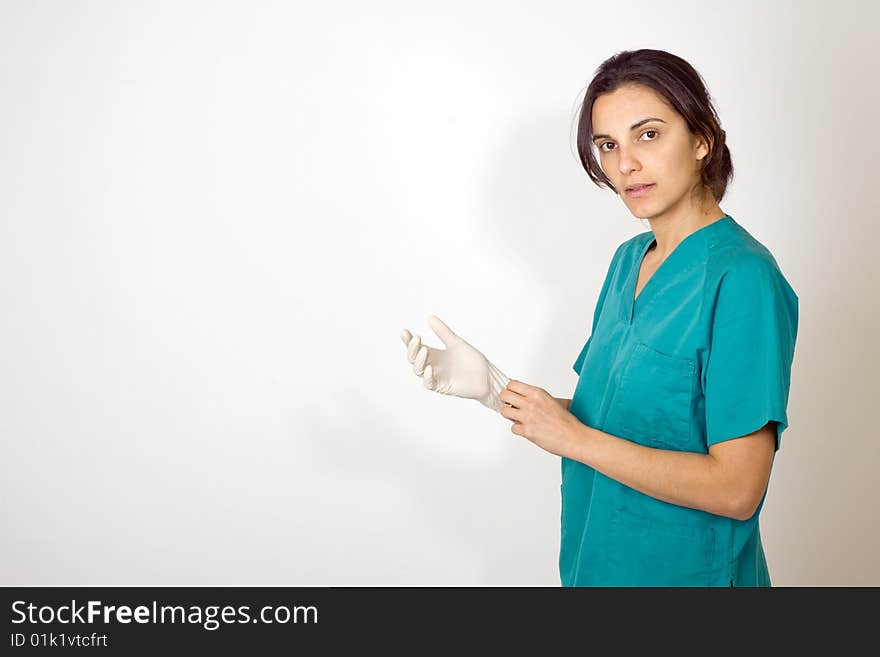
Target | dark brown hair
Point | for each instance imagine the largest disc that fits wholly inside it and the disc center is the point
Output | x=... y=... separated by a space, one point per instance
x=682 y=87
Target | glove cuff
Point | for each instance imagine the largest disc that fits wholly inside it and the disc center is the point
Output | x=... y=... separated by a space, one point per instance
x=498 y=381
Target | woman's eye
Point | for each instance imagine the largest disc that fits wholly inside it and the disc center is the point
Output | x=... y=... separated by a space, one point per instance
x=606 y=143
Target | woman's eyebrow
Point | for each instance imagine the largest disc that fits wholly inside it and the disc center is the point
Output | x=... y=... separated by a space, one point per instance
x=632 y=127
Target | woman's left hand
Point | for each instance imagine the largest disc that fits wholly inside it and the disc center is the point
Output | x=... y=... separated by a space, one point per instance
x=536 y=415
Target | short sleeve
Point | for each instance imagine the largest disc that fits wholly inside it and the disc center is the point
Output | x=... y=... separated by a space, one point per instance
x=748 y=369
x=579 y=361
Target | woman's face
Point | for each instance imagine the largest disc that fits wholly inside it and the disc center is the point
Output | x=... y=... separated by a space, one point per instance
x=661 y=151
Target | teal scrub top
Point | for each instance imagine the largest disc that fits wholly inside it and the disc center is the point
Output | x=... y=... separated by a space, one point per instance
x=703 y=355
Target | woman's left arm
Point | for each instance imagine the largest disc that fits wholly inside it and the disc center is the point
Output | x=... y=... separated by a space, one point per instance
x=730 y=480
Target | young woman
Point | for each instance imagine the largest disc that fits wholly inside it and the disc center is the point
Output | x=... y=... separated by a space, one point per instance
x=668 y=442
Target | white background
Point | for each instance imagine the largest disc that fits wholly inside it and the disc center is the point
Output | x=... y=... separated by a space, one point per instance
x=215 y=218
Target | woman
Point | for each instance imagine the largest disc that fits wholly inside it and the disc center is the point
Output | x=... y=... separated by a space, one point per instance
x=668 y=442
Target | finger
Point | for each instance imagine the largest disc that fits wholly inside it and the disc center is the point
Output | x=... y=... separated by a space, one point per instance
x=406 y=336
x=421 y=359
x=511 y=413
x=507 y=397
x=413 y=348
x=443 y=332
x=519 y=387
x=428 y=378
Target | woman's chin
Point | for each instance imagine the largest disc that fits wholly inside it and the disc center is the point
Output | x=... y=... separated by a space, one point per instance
x=640 y=210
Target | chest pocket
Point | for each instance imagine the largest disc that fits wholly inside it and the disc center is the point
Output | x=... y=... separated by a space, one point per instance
x=652 y=405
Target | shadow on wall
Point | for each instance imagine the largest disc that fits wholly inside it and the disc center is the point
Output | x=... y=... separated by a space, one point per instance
x=505 y=513
x=502 y=513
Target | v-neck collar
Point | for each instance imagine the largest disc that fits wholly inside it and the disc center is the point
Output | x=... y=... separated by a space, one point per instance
x=662 y=267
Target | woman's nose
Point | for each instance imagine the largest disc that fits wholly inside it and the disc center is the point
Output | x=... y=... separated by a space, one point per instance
x=627 y=163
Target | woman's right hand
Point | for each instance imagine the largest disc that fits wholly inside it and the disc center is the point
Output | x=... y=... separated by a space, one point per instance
x=459 y=370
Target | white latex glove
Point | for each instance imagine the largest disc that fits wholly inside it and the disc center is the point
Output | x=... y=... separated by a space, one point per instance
x=459 y=370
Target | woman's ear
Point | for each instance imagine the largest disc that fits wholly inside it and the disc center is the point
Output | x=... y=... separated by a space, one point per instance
x=702 y=147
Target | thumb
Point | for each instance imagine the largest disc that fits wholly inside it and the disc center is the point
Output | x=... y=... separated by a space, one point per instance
x=443 y=332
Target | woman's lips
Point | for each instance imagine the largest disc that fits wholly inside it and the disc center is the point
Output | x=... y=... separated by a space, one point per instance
x=641 y=190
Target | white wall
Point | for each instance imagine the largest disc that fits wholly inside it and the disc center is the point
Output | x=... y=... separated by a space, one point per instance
x=216 y=217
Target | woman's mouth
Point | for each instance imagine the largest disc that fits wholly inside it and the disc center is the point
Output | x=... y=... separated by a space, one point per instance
x=639 y=190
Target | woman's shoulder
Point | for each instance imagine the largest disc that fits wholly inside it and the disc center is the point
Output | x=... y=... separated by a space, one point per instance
x=737 y=256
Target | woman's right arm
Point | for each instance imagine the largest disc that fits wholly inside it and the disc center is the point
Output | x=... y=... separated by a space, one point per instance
x=564 y=402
